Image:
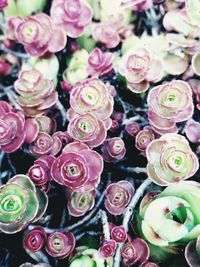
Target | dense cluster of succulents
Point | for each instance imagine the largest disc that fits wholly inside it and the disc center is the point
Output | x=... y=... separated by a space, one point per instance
x=99 y=131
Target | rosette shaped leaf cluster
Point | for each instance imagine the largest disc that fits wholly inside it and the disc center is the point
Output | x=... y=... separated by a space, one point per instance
x=60 y=244
x=40 y=173
x=37 y=33
x=99 y=62
x=168 y=104
x=118 y=196
x=192 y=131
x=113 y=149
x=170 y=219
x=118 y=233
x=144 y=138
x=88 y=129
x=78 y=168
x=135 y=251
x=170 y=160
x=36 y=94
x=35 y=239
x=140 y=68
x=12 y=128
x=91 y=96
x=73 y=16
x=192 y=253
x=89 y=257
x=20 y=204
x=108 y=248
x=80 y=202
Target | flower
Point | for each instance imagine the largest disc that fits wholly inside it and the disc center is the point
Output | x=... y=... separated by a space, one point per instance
x=168 y=104
x=91 y=96
x=77 y=68
x=107 y=34
x=40 y=173
x=135 y=251
x=12 y=128
x=170 y=160
x=37 y=33
x=132 y=128
x=73 y=16
x=144 y=138
x=60 y=245
x=192 y=253
x=140 y=68
x=20 y=204
x=118 y=196
x=192 y=131
x=88 y=129
x=99 y=62
x=89 y=257
x=119 y=234
x=36 y=94
x=113 y=149
x=78 y=168
x=80 y=202
x=108 y=248
x=35 y=239
x=177 y=218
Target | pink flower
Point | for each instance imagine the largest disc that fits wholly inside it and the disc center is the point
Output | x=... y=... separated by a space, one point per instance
x=90 y=96
x=118 y=196
x=73 y=16
x=99 y=62
x=12 y=128
x=139 y=69
x=113 y=149
x=88 y=129
x=168 y=104
x=78 y=168
x=107 y=34
x=108 y=248
x=37 y=33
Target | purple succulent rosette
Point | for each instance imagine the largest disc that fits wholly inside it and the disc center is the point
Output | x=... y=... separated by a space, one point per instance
x=119 y=234
x=108 y=248
x=72 y=16
x=60 y=244
x=78 y=168
x=113 y=149
x=118 y=196
x=21 y=203
x=144 y=138
x=12 y=128
x=35 y=239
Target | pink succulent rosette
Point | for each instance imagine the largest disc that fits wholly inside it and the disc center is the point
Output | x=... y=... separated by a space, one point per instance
x=170 y=160
x=3 y=4
x=168 y=104
x=12 y=128
x=119 y=234
x=88 y=129
x=42 y=145
x=118 y=195
x=106 y=33
x=80 y=202
x=135 y=251
x=78 y=168
x=99 y=62
x=132 y=128
x=35 y=239
x=73 y=16
x=37 y=33
x=91 y=96
x=32 y=130
x=140 y=68
x=113 y=149
x=108 y=248
x=36 y=94
x=195 y=84
x=40 y=173
x=192 y=131
x=60 y=244
x=144 y=138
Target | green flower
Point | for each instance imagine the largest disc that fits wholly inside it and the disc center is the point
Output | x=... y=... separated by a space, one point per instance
x=20 y=203
x=170 y=219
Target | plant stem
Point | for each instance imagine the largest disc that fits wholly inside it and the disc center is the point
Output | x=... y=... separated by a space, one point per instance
x=104 y=220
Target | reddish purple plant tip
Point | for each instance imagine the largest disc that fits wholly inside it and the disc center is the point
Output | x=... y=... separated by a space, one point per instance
x=118 y=196
x=144 y=138
x=108 y=248
x=60 y=244
x=35 y=239
x=113 y=149
x=132 y=128
x=119 y=234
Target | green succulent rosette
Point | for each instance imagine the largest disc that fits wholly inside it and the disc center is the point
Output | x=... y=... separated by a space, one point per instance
x=89 y=257
x=170 y=219
x=20 y=204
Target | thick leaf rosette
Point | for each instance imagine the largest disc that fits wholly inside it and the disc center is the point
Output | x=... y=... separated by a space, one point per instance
x=20 y=203
x=171 y=218
x=171 y=160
